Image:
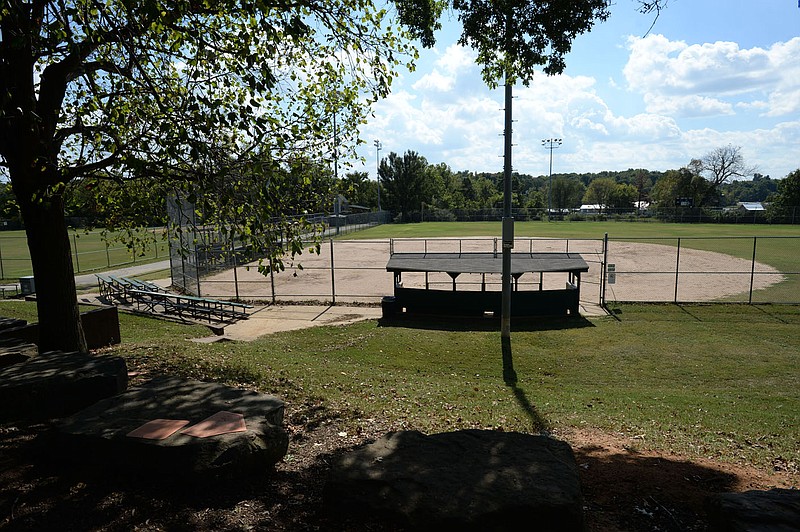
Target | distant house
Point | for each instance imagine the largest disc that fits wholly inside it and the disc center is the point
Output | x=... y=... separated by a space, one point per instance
x=642 y=206
x=751 y=207
x=594 y=208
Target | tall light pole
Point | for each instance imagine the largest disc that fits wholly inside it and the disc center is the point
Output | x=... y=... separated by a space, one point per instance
x=550 y=144
x=508 y=220
x=378 y=147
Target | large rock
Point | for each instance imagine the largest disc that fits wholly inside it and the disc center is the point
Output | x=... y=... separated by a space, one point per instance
x=467 y=479
x=14 y=351
x=98 y=435
x=58 y=384
x=100 y=328
x=776 y=510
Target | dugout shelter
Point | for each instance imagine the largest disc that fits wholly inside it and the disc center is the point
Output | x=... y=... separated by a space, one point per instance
x=480 y=301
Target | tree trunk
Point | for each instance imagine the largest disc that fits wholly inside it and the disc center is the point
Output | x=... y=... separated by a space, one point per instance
x=48 y=241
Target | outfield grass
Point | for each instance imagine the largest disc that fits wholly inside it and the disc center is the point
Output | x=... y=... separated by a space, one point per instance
x=91 y=251
x=573 y=230
x=716 y=381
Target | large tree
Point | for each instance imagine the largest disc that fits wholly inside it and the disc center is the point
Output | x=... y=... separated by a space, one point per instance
x=405 y=181
x=155 y=90
x=600 y=191
x=675 y=185
x=722 y=164
x=567 y=192
x=786 y=206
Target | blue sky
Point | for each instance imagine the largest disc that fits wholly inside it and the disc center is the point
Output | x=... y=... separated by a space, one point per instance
x=710 y=73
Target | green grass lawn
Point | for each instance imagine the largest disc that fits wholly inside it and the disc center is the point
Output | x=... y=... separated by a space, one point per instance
x=717 y=381
x=594 y=230
x=94 y=252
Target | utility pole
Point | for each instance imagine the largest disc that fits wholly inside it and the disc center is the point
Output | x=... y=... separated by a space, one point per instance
x=550 y=144
x=378 y=147
x=508 y=221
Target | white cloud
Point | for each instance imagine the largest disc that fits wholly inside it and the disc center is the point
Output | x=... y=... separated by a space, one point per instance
x=696 y=80
x=661 y=119
x=455 y=60
x=435 y=81
x=687 y=106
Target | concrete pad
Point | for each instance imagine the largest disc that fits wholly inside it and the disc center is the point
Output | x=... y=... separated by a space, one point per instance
x=105 y=435
x=277 y=318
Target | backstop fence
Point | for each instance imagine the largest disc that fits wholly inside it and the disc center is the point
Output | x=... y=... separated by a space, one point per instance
x=677 y=270
x=199 y=252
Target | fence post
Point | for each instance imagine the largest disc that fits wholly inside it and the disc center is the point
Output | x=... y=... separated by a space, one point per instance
x=75 y=244
x=235 y=273
x=333 y=277
x=272 y=280
x=677 y=270
x=2 y=271
x=752 y=270
x=602 y=272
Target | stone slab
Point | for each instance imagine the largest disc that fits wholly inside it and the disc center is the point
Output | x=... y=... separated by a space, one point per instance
x=775 y=510
x=100 y=328
x=98 y=435
x=57 y=384
x=14 y=351
x=11 y=323
x=470 y=479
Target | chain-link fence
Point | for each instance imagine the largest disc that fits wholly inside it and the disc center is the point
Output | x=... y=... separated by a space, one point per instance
x=724 y=269
x=198 y=252
x=91 y=250
x=702 y=269
x=354 y=271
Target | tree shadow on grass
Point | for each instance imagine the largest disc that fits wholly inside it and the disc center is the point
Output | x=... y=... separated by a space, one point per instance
x=538 y=423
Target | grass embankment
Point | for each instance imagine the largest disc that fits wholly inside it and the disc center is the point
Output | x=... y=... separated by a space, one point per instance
x=715 y=381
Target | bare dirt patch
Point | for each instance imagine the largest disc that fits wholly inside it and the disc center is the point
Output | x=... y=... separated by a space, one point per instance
x=624 y=489
x=355 y=272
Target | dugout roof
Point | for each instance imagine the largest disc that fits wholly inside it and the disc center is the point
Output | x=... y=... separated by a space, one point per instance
x=457 y=263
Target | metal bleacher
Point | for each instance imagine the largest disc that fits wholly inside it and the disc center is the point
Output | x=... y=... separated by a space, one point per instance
x=151 y=298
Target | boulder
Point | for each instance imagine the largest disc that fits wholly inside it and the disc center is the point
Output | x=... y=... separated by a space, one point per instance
x=11 y=323
x=100 y=328
x=14 y=351
x=776 y=510
x=57 y=384
x=470 y=479
x=101 y=434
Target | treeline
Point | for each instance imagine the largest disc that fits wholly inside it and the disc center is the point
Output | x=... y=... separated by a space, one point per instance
x=409 y=184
